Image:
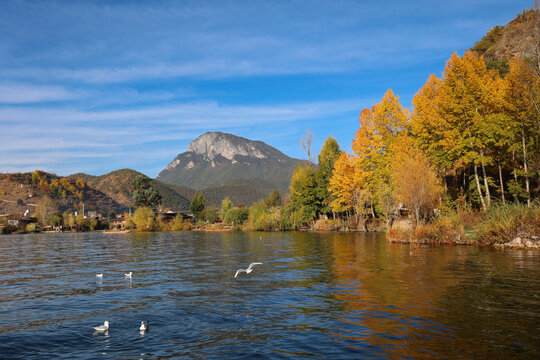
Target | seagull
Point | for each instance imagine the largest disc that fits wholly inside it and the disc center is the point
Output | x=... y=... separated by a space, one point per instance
x=248 y=270
x=144 y=326
x=128 y=275
x=102 y=328
x=99 y=276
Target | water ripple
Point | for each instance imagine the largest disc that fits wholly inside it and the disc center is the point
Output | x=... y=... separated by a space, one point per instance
x=330 y=296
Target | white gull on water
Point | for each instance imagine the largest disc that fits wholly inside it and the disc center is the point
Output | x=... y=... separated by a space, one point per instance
x=248 y=270
x=103 y=327
x=144 y=326
x=128 y=275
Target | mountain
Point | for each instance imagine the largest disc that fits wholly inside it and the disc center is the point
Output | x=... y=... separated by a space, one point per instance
x=217 y=159
x=520 y=36
x=117 y=185
x=23 y=191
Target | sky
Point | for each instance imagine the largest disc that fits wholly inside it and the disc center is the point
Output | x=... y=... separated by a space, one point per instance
x=96 y=86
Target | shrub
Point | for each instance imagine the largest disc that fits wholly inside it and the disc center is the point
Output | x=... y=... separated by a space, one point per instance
x=209 y=215
x=33 y=227
x=447 y=229
x=504 y=222
x=8 y=229
x=261 y=218
x=443 y=230
x=396 y=234
x=237 y=216
x=178 y=224
x=325 y=225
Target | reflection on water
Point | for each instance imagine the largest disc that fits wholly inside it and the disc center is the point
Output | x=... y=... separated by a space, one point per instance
x=316 y=295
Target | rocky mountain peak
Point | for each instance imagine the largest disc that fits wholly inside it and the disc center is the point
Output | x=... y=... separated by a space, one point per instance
x=217 y=159
x=212 y=144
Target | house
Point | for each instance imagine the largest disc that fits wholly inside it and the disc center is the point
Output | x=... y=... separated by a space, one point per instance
x=119 y=222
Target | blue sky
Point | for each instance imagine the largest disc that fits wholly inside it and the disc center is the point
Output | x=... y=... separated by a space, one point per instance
x=95 y=86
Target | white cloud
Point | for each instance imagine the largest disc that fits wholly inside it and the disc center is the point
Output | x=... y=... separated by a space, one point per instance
x=17 y=93
x=72 y=136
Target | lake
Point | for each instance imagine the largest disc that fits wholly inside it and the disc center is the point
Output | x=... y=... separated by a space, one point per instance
x=317 y=295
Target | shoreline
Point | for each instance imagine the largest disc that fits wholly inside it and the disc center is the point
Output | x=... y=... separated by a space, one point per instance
x=519 y=242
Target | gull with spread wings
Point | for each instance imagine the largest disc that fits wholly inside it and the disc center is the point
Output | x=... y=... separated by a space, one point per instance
x=248 y=270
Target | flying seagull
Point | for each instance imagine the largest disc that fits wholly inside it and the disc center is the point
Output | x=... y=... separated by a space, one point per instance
x=248 y=270
x=102 y=328
x=128 y=275
x=99 y=276
x=144 y=326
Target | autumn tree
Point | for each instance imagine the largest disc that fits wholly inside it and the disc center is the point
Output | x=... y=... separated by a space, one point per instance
x=144 y=219
x=45 y=208
x=342 y=183
x=522 y=95
x=458 y=120
x=415 y=181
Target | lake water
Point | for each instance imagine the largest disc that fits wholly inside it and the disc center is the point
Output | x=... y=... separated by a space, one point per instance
x=326 y=296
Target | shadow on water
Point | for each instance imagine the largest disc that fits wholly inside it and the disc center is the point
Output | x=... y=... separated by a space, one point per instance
x=322 y=295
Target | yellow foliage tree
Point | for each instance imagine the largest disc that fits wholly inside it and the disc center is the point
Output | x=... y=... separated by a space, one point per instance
x=144 y=219
x=457 y=119
x=415 y=181
x=342 y=183
x=522 y=95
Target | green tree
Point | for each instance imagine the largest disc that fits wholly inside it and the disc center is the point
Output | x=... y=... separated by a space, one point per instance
x=197 y=204
x=274 y=199
x=305 y=198
x=144 y=194
x=327 y=157
x=226 y=205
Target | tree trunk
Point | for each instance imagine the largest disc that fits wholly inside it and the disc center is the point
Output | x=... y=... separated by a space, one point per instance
x=364 y=224
x=525 y=168
x=390 y=221
x=479 y=189
x=515 y=172
x=502 y=184
x=486 y=185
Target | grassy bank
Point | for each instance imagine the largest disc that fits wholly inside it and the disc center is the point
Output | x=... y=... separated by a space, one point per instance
x=501 y=224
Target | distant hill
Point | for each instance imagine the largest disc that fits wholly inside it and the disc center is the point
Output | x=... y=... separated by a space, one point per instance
x=239 y=194
x=117 y=185
x=217 y=159
x=520 y=36
x=23 y=191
